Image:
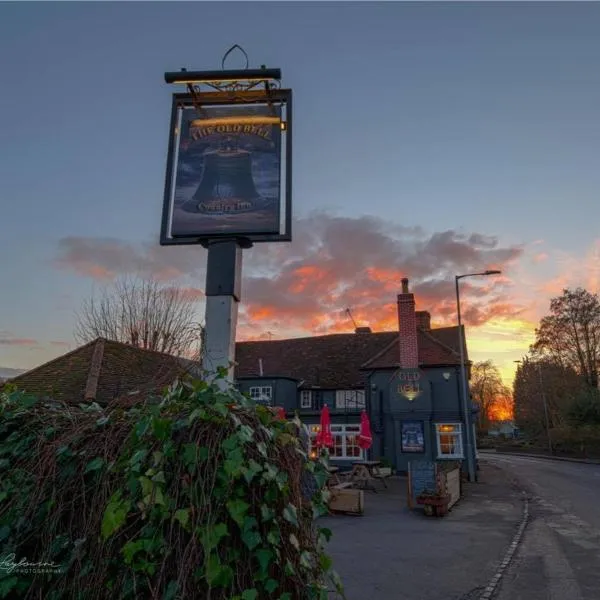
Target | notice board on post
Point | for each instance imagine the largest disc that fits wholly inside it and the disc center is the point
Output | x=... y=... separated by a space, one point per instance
x=422 y=475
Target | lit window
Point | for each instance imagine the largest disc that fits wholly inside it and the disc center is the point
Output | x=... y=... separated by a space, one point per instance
x=306 y=399
x=262 y=394
x=345 y=441
x=350 y=399
x=449 y=440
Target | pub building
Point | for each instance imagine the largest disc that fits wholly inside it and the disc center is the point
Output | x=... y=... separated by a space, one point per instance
x=407 y=380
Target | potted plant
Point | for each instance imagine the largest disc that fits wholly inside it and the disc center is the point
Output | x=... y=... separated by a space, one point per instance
x=434 y=503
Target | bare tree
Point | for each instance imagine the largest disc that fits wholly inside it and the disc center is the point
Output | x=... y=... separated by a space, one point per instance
x=489 y=392
x=570 y=334
x=143 y=313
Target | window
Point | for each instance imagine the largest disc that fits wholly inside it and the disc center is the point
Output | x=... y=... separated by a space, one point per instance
x=345 y=442
x=262 y=394
x=350 y=399
x=449 y=440
x=306 y=399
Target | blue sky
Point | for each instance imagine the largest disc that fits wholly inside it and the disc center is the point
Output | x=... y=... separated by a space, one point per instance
x=472 y=117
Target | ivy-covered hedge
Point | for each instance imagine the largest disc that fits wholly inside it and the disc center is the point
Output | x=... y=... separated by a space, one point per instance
x=197 y=495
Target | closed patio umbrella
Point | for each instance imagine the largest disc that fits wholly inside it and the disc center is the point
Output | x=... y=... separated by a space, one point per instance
x=365 y=438
x=324 y=438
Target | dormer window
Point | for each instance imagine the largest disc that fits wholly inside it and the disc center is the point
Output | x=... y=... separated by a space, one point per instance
x=306 y=399
x=262 y=394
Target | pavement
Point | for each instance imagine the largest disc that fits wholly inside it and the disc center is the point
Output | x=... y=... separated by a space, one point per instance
x=559 y=556
x=397 y=554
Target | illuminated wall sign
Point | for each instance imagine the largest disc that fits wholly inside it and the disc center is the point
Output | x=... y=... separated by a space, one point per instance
x=409 y=384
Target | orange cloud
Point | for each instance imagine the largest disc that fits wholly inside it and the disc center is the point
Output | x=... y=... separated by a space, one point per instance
x=6 y=339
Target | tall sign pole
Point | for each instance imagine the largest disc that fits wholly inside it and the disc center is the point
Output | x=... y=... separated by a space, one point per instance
x=228 y=185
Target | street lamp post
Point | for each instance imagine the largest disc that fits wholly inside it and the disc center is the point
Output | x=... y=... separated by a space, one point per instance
x=463 y=375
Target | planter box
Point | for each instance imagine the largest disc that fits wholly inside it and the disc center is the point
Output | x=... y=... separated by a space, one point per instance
x=453 y=486
x=346 y=500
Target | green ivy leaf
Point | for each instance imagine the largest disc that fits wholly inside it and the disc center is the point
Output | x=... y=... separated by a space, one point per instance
x=238 y=510
x=326 y=533
x=250 y=594
x=294 y=541
x=159 y=477
x=211 y=536
x=161 y=428
x=262 y=449
x=171 y=591
x=115 y=515
x=285 y=596
x=325 y=562
x=274 y=537
x=305 y=559
x=183 y=516
x=290 y=514
x=266 y=512
x=271 y=586
x=264 y=558
x=251 y=538
x=246 y=434
x=94 y=464
x=138 y=458
x=217 y=574
x=251 y=471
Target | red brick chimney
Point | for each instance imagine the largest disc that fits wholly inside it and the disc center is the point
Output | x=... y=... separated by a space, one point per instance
x=407 y=324
x=423 y=319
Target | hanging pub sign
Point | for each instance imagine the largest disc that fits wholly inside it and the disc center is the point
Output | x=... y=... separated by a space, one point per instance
x=409 y=383
x=228 y=168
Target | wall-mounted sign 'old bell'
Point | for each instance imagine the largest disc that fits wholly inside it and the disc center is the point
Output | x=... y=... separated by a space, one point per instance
x=227 y=185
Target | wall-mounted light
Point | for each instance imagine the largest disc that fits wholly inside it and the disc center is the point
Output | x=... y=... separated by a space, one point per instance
x=373 y=387
x=446 y=375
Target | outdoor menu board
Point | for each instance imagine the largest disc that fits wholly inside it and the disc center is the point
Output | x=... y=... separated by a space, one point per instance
x=421 y=477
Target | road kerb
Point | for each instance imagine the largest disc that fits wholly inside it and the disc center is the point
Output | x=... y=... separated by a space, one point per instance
x=493 y=583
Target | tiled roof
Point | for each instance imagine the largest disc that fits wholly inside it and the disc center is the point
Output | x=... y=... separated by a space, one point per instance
x=432 y=351
x=123 y=369
x=337 y=361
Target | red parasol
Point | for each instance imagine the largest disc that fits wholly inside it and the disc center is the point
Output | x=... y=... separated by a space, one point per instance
x=365 y=439
x=281 y=413
x=324 y=438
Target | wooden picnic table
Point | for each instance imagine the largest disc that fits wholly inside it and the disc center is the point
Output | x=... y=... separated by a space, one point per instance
x=364 y=473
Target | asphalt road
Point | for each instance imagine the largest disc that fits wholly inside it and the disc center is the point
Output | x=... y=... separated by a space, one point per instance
x=392 y=553
x=559 y=557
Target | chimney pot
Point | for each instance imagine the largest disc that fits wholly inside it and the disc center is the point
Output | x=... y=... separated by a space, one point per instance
x=405 y=285
x=363 y=330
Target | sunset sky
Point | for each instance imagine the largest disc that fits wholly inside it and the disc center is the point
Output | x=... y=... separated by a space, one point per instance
x=430 y=139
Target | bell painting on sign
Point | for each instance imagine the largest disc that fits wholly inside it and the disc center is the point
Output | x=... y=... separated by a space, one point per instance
x=228 y=171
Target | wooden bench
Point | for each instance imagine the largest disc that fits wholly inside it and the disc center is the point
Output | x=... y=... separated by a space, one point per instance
x=342 y=486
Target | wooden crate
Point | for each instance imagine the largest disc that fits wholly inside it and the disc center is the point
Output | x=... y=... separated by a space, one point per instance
x=344 y=499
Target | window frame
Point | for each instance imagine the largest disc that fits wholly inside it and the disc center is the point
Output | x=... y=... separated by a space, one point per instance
x=457 y=434
x=340 y=431
x=261 y=394
x=304 y=394
x=355 y=399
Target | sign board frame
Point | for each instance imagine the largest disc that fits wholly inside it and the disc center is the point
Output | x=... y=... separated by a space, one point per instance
x=279 y=97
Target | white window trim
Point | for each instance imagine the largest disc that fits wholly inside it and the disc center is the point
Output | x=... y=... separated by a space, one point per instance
x=339 y=430
x=263 y=393
x=306 y=400
x=459 y=436
x=350 y=400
